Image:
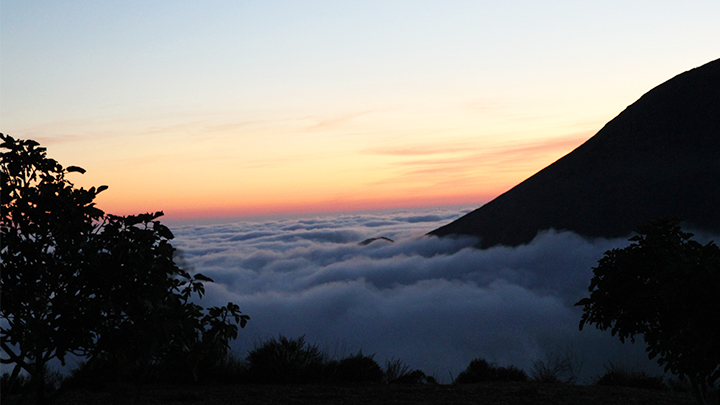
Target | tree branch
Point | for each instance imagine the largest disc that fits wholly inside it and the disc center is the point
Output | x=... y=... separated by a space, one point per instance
x=14 y=358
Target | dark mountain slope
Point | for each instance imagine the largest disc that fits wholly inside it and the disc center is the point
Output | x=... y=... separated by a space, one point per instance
x=660 y=157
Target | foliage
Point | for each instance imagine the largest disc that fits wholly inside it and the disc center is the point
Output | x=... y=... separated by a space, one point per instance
x=679 y=385
x=358 y=368
x=293 y=361
x=416 y=376
x=22 y=386
x=479 y=370
x=231 y=370
x=285 y=361
x=616 y=375
x=102 y=374
x=396 y=368
x=662 y=286
x=559 y=366
x=397 y=372
x=13 y=386
x=78 y=281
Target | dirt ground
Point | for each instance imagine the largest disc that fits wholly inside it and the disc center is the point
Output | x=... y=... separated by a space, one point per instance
x=484 y=393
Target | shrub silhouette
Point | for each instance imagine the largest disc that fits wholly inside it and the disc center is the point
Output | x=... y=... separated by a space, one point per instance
x=358 y=368
x=679 y=385
x=479 y=370
x=23 y=386
x=624 y=377
x=662 y=286
x=103 y=374
x=397 y=372
x=77 y=281
x=9 y=386
x=294 y=361
x=413 y=377
x=285 y=361
x=98 y=375
x=559 y=366
x=230 y=370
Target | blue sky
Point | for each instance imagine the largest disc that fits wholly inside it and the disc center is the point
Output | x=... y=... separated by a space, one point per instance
x=226 y=108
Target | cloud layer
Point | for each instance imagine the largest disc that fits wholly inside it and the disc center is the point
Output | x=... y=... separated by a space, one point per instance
x=434 y=303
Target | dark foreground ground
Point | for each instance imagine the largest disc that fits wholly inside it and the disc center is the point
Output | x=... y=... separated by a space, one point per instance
x=482 y=393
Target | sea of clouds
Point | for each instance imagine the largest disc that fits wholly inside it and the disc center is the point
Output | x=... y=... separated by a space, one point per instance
x=435 y=303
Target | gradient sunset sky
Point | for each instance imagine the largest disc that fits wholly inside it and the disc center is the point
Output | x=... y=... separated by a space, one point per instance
x=238 y=108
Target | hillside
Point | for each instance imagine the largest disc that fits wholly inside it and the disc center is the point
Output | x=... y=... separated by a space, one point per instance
x=660 y=157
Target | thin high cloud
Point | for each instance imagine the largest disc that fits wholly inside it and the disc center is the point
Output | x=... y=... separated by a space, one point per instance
x=458 y=162
x=435 y=303
x=421 y=150
x=508 y=154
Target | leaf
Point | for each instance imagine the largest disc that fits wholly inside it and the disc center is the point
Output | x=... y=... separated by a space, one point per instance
x=583 y=301
x=163 y=230
x=201 y=277
x=72 y=169
x=137 y=307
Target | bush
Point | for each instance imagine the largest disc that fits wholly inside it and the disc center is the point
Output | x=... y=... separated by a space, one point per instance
x=358 y=368
x=23 y=384
x=663 y=287
x=679 y=385
x=616 y=375
x=100 y=373
x=293 y=361
x=77 y=281
x=397 y=372
x=414 y=377
x=558 y=367
x=285 y=361
x=480 y=370
x=10 y=386
x=230 y=371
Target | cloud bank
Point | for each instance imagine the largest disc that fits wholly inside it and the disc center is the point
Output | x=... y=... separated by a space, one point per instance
x=434 y=303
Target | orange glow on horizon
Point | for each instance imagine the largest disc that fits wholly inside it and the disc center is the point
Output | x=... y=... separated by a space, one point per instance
x=178 y=212
x=426 y=175
x=257 y=109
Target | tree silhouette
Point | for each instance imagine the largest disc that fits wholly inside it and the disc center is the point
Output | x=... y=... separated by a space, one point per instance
x=78 y=281
x=663 y=286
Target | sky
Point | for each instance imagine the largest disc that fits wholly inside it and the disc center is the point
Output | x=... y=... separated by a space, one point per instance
x=244 y=108
x=309 y=117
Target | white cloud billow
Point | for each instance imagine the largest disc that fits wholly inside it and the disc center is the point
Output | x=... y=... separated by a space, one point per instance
x=434 y=303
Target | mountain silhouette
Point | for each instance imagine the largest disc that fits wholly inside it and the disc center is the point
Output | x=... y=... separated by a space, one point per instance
x=658 y=158
x=371 y=240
